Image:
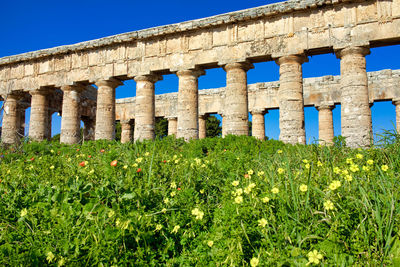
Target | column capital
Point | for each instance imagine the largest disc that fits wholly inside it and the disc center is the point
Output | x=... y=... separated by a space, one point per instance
x=300 y=59
x=360 y=50
x=322 y=106
x=396 y=101
x=191 y=72
x=42 y=91
x=148 y=78
x=239 y=65
x=77 y=87
x=110 y=82
x=259 y=111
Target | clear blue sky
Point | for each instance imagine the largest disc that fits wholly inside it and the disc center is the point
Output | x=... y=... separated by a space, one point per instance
x=32 y=25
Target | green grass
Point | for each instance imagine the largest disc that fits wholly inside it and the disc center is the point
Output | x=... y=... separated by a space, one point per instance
x=54 y=211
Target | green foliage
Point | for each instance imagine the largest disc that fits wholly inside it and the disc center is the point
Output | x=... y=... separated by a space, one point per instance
x=213 y=128
x=63 y=204
x=161 y=127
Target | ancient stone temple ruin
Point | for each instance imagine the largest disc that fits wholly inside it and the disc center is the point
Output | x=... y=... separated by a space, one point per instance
x=61 y=79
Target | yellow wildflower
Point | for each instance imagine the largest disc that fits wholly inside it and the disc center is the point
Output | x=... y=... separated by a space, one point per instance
x=275 y=190
x=262 y=222
x=254 y=262
x=238 y=199
x=314 y=257
x=328 y=205
x=265 y=199
x=198 y=213
x=24 y=212
x=303 y=188
x=235 y=183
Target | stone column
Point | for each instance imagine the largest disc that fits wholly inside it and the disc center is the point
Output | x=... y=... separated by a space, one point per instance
x=89 y=128
x=172 y=125
x=11 y=118
x=396 y=102
x=202 y=126
x=325 y=124
x=236 y=109
x=105 y=112
x=291 y=103
x=39 y=121
x=145 y=107
x=258 y=124
x=71 y=119
x=126 y=131
x=355 y=111
x=187 y=107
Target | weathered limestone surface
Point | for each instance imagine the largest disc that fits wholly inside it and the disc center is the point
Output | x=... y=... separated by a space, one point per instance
x=291 y=102
x=70 y=120
x=145 y=107
x=325 y=124
x=236 y=112
x=172 y=125
x=202 y=126
x=9 y=134
x=256 y=34
x=258 y=124
x=126 y=131
x=39 y=121
x=105 y=113
x=188 y=126
x=355 y=111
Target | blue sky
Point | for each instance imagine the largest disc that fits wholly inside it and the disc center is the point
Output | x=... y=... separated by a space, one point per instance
x=33 y=25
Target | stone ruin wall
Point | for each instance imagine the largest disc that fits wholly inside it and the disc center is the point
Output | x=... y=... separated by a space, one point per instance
x=287 y=32
x=383 y=85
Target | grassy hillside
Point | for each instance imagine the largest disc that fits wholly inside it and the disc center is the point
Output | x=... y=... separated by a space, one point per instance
x=234 y=201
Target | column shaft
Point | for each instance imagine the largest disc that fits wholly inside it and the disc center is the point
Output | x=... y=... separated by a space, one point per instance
x=258 y=124
x=172 y=125
x=145 y=107
x=291 y=103
x=355 y=111
x=325 y=125
x=126 y=132
x=236 y=112
x=202 y=126
x=105 y=112
x=188 y=127
x=38 y=125
x=11 y=118
x=71 y=119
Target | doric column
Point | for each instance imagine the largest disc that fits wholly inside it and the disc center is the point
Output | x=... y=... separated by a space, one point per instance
x=291 y=104
x=39 y=121
x=172 y=125
x=396 y=102
x=202 y=126
x=236 y=111
x=258 y=124
x=355 y=111
x=126 y=131
x=187 y=108
x=105 y=112
x=11 y=118
x=325 y=124
x=145 y=107
x=71 y=119
x=89 y=128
